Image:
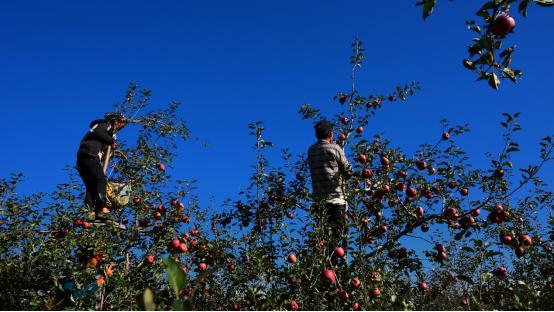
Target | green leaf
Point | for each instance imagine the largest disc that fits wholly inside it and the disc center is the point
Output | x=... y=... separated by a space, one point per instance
x=466 y=279
x=494 y=82
x=428 y=6
x=175 y=276
x=544 y=3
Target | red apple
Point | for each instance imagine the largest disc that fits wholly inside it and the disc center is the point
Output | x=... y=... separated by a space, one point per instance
x=149 y=259
x=78 y=222
x=86 y=225
x=356 y=306
x=392 y=98
x=367 y=173
x=428 y=194
x=431 y=170
x=502 y=25
x=451 y=213
x=194 y=232
x=382 y=229
x=402 y=174
x=442 y=256
x=411 y=192
x=506 y=239
x=360 y=130
x=420 y=212
x=386 y=188
x=290 y=215
x=343 y=295
x=498 y=173
x=329 y=275
x=137 y=200
x=376 y=291
x=464 y=191
x=339 y=252
x=294 y=305
x=425 y=228
x=400 y=186
x=384 y=161
x=202 y=266
x=526 y=239
x=440 y=248
x=175 y=202
x=183 y=247
x=175 y=243
x=342 y=137
x=500 y=272
x=292 y=258
x=421 y=165
x=362 y=158
x=344 y=120
x=446 y=136
x=161 y=167
x=157 y=215
x=355 y=283
x=422 y=286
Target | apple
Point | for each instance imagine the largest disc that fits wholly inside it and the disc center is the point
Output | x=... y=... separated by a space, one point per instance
x=78 y=222
x=290 y=215
x=202 y=266
x=382 y=229
x=329 y=275
x=376 y=291
x=498 y=173
x=402 y=174
x=185 y=219
x=451 y=213
x=386 y=188
x=400 y=186
x=440 y=248
x=344 y=120
x=476 y=212
x=362 y=158
x=356 y=306
x=86 y=225
x=428 y=194
x=175 y=202
x=175 y=243
x=502 y=25
x=431 y=170
x=442 y=256
x=360 y=130
x=464 y=191
x=339 y=252
x=500 y=272
x=420 y=212
x=149 y=259
x=183 y=247
x=392 y=98
x=445 y=136
x=506 y=239
x=384 y=161
x=355 y=283
x=526 y=239
x=367 y=173
x=421 y=165
x=294 y=305
x=425 y=228
x=411 y=192
x=292 y=258
x=236 y=307
x=157 y=215
x=342 y=137
x=422 y=286
x=137 y=200
x=464 y=302
x=161 y=167
x=161 y=208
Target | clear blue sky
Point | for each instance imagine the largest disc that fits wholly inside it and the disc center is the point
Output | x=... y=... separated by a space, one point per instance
x=64 y=63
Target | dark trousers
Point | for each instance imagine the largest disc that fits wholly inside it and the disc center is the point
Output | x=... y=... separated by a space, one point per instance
x=90 y=170
x=336 y=219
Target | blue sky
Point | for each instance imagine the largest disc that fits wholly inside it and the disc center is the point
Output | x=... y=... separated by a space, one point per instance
x=231 y=63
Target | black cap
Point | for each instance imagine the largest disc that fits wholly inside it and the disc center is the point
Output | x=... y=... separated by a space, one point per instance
x=114 y=116
x=323 y=128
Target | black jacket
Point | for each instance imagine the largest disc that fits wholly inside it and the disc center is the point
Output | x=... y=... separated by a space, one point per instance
x=99 y=135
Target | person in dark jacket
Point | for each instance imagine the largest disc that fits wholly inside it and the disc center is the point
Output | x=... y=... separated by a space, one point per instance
x=91 y=150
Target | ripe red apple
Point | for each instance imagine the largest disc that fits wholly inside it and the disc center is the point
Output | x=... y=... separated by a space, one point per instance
x=360 y=130
x=362 y=158
x=446 y=136
x=157 y=215
x=425 y=228
x=502 y=25
x=294 y=305
x=451 y=213
x=420 y=212
x=86 y=225
x=382 y=229
x=385 y=161
x=442 y=256
x=431 y=170
x=500 y=272
x=400 y=186
x=392 y=98
x=422 y=286
x=342 y=137
x=137 y=200
x=411 y=192
x=355 y=283
x=149 y=259
x=202 y=266
x=526 y=239
x=292 y=258
x=402 y=174
x=175 y=243
x=161 y=167
x=356 y=306
x=78 y=222
x=506 y=239
x=367 y=173
x=194 y=232
x=476 y=212
x=344 y=120
x=464 y=302
x=440 y=248
x=329 y=275
x=464 y=191
x=498 y=173
x=421 y=165
x=376 y=291
x=339 y=252
x=386 y=188
x=175 y=202
x=428 y=194
x=290 y=215
x=183 y=247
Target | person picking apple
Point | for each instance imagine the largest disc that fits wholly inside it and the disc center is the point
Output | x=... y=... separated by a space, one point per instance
x=328 y=166
x=89 y=166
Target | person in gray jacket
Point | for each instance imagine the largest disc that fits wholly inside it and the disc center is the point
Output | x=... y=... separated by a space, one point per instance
x=329 y=168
